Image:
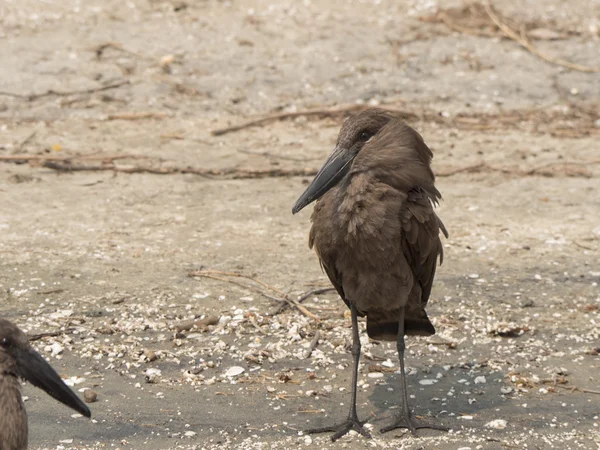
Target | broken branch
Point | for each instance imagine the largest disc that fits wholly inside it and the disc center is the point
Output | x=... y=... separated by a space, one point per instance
x=50 y=92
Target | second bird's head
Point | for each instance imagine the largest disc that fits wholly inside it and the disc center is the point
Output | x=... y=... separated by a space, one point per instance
x=357 y=131
x=20 y=360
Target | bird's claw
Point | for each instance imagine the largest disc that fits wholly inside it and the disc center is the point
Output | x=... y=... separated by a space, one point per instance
x=412 y=424
x=343 y=428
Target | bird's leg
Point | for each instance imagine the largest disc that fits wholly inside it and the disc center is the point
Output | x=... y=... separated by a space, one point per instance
x=352 y=423
x=405 y=419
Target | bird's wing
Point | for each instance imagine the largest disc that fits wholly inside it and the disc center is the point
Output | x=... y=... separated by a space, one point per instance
x=421 y=242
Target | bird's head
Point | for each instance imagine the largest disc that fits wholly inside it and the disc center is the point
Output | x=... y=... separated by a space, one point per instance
x=19 y=359
x=356 y=133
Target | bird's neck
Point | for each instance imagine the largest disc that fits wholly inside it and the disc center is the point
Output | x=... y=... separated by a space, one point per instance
x=13 y=418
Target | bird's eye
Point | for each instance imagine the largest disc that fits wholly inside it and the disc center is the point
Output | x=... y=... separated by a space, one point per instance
x=365 y=136
x=5 y=342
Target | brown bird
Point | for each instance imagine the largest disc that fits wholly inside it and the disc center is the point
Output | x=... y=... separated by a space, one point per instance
x=19 y=360
x=377 y=238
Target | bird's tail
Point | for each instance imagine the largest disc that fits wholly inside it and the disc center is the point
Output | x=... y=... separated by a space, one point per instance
x=386 y=328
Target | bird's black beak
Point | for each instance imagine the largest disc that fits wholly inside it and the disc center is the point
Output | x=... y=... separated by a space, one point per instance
x=333 y=170
x=38 y=372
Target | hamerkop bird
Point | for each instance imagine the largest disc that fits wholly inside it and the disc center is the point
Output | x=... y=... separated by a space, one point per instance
x=19 y=360
x=377 y=238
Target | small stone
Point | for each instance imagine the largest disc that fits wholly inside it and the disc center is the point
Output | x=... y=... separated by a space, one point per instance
x=375 y=375
x=90 y=396
x=480 y=380
x=427 y=382
x=150 y=355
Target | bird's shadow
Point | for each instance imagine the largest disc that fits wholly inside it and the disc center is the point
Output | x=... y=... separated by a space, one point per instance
x=454 y=397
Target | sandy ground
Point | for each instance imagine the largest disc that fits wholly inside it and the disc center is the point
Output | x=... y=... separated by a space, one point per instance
x=104 y=256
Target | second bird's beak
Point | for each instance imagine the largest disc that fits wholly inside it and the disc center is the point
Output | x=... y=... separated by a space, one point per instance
x=38 y=372
x=333 y=170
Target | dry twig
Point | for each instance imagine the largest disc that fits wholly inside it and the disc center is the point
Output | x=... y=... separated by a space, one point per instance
x=303 y=297
x=226 y=277
x=313 y=344
x=137 y=115
x=200 y=324
x=522 y=39
x=564 y=168
x=51 y=291
x=575 y=388
x=453 y=25
x=26 y=140
x=99 y=50
x=317 y=291
x=68 y=158
x=229 y=173
x=37 y=337
x=322 y=112
x=50 y=92
x=569 y=168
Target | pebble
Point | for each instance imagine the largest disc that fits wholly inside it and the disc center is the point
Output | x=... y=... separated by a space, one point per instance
x=90 y=396
x=427 y=382
x=480 y=380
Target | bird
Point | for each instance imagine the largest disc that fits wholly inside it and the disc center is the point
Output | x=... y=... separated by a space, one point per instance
x=377 y=238
x=19 y=360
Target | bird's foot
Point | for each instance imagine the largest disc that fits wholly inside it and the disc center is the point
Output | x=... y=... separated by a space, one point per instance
x=411 y=423
x=352 y=423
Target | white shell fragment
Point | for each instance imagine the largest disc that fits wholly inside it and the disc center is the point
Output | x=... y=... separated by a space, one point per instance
x=498 y=424
x=480 y=380
x=234 y=371
x=152 y=375
x=427 y=382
